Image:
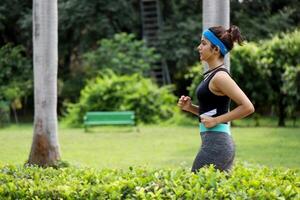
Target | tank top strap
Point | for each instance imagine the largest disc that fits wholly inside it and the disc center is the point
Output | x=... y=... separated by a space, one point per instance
x=220 y=69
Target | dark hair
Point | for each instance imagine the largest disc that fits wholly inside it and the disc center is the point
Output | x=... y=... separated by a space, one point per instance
x=229 y=36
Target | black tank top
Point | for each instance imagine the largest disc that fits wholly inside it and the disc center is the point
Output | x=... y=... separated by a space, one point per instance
x=208 y=101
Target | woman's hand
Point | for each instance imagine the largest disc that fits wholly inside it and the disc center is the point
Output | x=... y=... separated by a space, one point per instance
x=208 y=122
x=185 y=103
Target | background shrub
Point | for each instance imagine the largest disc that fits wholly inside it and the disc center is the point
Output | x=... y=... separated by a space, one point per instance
x=15 y=80
x=111 y=92
x=123 y=54
x=280 y=61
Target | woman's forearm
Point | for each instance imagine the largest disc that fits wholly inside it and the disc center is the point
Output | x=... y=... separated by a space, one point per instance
x=237 y=113
x=193 y=109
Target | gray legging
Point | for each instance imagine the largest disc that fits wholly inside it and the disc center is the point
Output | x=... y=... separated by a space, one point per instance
x=217 y=149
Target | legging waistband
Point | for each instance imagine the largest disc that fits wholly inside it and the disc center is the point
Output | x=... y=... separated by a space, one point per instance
x=219 y=128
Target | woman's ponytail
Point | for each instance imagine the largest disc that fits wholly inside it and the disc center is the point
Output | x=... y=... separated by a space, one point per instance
x=235 y=34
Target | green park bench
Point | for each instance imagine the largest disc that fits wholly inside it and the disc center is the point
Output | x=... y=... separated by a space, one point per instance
x=108 y=118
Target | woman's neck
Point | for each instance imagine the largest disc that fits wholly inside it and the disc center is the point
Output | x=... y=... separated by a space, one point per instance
x=214 y=63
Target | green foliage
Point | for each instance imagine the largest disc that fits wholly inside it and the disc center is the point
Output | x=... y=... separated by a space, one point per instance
x=4 y=113
x=111 y=92
x=280 y=61
x=15 y=78
x=123 y=54
x=15 y=67
x=262 y=19
x=249 y=75
x=13 y=14
x=268 y=72
x=196 y=75
x=179 y=37
x=83 y=23
x=181 y=118
x=244 y=182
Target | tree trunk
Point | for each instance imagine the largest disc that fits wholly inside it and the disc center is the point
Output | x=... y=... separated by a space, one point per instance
x=216 y=13
x=15 y=115
x=45 y=147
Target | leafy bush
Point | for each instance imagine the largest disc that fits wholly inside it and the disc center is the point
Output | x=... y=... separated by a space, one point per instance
x=195 y=74
x=123 y=54
x=111 y=92
x=16 y=72
x=247 y=73
x=15 y=79
x=244 y=182
x=281 y=62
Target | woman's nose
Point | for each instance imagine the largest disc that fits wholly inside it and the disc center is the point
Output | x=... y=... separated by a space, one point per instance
x=199 y=47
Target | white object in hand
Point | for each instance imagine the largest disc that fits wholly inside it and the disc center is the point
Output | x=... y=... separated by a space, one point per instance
x=210 y=113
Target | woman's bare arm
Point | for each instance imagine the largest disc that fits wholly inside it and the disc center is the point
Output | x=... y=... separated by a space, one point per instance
x=224 y=84
x=193 y=109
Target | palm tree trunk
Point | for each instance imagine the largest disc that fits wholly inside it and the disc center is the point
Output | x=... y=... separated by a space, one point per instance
x=45 y=147
x=216 y=13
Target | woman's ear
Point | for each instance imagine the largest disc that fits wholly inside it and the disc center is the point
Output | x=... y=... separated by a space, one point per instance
x=217 y=49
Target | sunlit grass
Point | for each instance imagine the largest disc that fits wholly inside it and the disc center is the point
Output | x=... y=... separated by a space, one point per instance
x=153 y=146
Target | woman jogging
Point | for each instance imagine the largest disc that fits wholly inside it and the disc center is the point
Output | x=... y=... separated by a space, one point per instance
x=214 y=94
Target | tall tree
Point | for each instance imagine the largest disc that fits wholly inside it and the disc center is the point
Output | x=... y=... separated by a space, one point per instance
x=216 y=13
x=45 y=147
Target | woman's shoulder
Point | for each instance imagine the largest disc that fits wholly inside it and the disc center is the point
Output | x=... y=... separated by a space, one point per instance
x=223 y=70
x=221 y=75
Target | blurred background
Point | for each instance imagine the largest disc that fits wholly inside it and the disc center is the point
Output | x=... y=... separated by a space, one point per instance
x=141 y=56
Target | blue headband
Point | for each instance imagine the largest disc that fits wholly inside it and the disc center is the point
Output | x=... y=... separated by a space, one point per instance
x=216 y=41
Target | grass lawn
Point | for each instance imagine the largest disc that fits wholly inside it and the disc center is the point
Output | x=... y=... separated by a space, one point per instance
x=154 y=146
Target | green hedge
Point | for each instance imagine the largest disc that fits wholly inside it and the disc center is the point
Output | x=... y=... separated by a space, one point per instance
x=244 y=182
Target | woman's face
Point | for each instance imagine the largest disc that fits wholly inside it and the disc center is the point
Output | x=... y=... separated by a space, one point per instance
x=205 y=50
